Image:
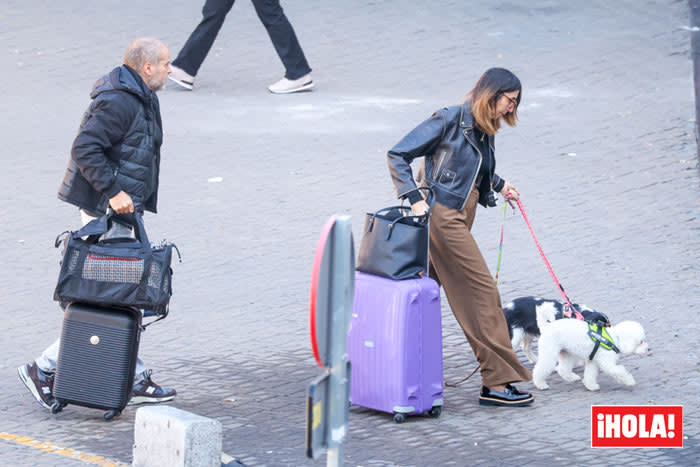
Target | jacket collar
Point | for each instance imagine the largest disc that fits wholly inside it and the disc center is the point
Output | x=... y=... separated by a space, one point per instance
x=123 y=78
x=466 y=120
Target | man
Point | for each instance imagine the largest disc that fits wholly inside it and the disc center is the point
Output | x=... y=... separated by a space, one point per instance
x=114 y=163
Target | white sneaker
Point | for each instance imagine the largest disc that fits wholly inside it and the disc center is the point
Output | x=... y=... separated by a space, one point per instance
x=286 y=86
x=181 y=77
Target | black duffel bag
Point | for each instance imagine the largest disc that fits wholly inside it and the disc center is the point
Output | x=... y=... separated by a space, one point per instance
x=116 y=271
x=395 y=243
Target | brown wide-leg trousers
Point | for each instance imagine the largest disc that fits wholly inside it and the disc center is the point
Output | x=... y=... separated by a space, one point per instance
x=457 y=264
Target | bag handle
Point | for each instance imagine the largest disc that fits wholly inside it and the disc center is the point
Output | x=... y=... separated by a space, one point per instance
x=400 y=208
x=377 y=213
x=97 y=227
x=423 y=218
x=134 y=219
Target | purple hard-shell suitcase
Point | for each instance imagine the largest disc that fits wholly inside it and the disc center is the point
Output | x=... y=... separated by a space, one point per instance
x=395 y=346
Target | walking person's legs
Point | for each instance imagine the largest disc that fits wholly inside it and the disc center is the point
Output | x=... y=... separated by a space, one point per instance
x=283 y=38
x=196 y=48
x=473 y=296
x=297 y=75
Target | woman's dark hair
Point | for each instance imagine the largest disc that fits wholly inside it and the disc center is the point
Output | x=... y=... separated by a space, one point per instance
x=487 y=90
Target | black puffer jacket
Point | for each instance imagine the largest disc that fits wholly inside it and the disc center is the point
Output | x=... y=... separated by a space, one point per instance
x=117 y=146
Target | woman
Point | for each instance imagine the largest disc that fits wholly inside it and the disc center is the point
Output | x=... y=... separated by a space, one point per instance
x=458 y=145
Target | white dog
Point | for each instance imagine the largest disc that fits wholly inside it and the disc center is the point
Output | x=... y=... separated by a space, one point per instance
x=568 y=340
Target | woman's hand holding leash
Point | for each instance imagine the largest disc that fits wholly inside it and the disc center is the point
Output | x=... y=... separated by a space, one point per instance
x=509 y=192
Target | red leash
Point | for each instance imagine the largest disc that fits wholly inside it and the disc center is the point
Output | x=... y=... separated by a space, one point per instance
x=570 y=306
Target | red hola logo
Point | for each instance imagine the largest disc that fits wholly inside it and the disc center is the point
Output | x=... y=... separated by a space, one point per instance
x=637 y=426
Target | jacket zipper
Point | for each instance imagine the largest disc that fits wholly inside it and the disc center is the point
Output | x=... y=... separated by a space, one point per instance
x=439 y=165
x=478 y=167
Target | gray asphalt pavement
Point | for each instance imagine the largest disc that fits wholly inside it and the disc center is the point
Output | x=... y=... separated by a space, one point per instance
x=604 y=156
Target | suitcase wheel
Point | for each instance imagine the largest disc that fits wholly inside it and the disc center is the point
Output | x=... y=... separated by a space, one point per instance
x=111 y=414
x=399 y=417
x=435 y=411
x=57 y=407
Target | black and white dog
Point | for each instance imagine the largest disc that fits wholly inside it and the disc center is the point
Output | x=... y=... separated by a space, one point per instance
x=526 y=315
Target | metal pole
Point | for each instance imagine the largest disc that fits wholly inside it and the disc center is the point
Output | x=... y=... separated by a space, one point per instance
x=342 y=291
x=333 y=456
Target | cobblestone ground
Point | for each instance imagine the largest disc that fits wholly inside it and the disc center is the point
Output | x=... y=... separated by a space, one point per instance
x=604 y=156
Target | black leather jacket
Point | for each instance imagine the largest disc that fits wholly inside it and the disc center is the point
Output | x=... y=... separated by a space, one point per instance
x=117 y=146
x=452 y=158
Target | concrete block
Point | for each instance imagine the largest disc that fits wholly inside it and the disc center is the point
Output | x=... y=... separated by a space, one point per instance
x=169 y=437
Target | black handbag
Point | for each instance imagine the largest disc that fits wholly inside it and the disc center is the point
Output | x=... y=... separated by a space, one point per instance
x=116 y=271
x=395 y=243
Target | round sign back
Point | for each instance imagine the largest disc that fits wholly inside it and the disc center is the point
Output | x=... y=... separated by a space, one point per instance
x=318 y=323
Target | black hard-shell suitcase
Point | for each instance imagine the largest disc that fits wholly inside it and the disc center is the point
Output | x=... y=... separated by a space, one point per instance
x=97 y=357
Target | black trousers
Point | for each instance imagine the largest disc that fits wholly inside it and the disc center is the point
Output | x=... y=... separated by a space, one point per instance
x=272 y=17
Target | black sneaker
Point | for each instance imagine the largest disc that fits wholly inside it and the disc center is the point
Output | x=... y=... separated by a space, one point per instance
x=146 y=391
x=510 y=397
x=39 y=383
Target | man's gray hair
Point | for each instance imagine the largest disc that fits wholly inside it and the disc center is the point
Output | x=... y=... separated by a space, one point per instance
x=142 y=51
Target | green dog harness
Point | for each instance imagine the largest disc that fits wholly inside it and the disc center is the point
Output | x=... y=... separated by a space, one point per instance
x=601 y=337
